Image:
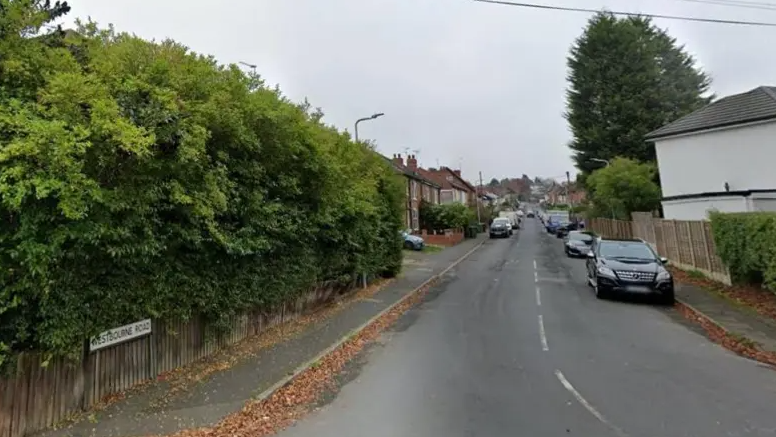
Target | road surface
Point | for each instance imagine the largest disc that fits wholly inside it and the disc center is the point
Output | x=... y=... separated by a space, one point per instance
x=513 y=343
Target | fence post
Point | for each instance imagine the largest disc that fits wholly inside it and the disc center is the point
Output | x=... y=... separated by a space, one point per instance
x=86 y=370
x=692 y=247
x=676 y=241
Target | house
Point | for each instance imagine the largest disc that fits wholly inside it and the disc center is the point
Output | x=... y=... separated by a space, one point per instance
x=719 y=157
x=565 y=194
x=419 y=188
x=454 y=187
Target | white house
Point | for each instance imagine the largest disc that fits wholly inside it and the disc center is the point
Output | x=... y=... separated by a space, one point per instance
x=721 y=157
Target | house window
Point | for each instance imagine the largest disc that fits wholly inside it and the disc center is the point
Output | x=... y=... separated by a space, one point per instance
x=414 y=190
x=415 y=220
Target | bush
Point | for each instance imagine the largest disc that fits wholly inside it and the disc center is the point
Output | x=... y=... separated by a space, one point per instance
x=746 y=243
x=435 y=217
x=140 y=180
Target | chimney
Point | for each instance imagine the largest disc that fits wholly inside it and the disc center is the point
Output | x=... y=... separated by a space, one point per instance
x=398 y=160
x=412 y=162
x=457 y=172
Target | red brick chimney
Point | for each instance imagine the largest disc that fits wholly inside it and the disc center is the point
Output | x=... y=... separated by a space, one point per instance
x=398 y=160
x=412 y=162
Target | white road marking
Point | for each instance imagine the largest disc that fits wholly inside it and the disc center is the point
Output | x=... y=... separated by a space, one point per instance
x=534 y=264
x=536 y=276
x=538 y=297
x=542 y=334
x=588 y=406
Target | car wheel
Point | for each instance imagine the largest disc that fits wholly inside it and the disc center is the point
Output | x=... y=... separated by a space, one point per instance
x=408 y=245
x=600 y=293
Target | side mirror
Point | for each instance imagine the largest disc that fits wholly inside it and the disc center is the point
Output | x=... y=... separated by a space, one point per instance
x=590 y=255
x=664 y=260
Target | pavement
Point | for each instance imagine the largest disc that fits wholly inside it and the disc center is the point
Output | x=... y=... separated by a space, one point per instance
x=154 y=410
x=736 y=319
x=512 y=342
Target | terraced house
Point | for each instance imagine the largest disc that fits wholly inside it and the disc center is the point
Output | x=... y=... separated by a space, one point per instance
x=419 y=188
x=454 y=187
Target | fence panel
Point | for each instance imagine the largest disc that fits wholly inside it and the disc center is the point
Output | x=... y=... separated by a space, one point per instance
x=34 y=397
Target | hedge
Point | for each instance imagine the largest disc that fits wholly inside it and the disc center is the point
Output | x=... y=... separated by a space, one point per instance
x=746 y=243
x=139 y=179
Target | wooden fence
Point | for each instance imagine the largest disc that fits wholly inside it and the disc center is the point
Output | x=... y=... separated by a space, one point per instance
x=688 y=244
x=35 y=397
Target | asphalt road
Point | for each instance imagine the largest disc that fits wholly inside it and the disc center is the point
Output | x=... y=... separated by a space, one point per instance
x=513 y=343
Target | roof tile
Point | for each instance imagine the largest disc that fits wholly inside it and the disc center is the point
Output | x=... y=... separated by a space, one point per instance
x=758 y=104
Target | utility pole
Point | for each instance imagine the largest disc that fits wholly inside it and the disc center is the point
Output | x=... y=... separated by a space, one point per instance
x=479 y=200
x=568 y=183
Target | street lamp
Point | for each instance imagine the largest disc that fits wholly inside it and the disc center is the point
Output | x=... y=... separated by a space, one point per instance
x=371 y=117
x=251 y=66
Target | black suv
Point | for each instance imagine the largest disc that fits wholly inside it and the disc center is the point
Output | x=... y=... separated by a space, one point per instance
x=628 y=266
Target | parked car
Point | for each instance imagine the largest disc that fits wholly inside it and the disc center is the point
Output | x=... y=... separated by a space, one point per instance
x=413 y=242
x=577 y=243
x=530 y=214
x=628 y=266
x=500 y=228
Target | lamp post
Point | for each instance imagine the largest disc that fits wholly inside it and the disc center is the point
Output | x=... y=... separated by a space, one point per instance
x=251 y=66
x=371 y=117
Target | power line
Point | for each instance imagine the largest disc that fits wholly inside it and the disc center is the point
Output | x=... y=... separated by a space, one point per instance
x=737 y=4
x=630 y=14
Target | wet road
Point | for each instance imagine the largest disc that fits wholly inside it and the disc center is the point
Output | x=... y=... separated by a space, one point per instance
x=513 y=343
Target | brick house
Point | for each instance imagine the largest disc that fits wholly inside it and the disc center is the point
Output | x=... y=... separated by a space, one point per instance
x=454 y=187
x=419 y=188
x=557 y=195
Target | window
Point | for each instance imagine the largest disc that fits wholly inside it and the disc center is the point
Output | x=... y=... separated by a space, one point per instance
x=414 y=190
x=626 y=249
x=415 y=221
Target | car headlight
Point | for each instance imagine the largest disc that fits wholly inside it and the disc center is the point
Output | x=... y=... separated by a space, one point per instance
x=663 y=275
x=606 y=271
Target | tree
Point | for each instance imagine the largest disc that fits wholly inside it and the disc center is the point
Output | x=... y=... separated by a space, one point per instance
x=623 y=187
x=493 y=183
x=627 y=78
x=139 y=179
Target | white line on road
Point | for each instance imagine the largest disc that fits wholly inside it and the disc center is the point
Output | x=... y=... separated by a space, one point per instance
x=589 y=407
x=534 y=264
x=542 y=334
x=536 y=276
x=538 y=297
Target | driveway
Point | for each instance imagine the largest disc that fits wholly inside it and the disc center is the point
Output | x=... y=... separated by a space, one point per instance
x=513 y=343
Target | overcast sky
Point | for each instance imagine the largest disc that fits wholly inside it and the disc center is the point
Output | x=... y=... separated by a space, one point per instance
x=468 y=84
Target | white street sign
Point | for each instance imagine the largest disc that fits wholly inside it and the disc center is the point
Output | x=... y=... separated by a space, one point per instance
x=120 y=334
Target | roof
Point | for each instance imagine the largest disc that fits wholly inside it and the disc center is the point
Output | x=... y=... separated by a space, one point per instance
x=411 y=174
x=758 y=104
x=442 y=177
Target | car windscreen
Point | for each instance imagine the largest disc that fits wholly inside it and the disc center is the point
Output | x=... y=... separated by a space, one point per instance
x=500 y=221
x=581 y=236
x=625 y=250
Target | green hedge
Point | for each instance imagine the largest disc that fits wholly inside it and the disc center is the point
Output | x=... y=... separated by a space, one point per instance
x=435 y=217
x=746 y=242
x=139 y=179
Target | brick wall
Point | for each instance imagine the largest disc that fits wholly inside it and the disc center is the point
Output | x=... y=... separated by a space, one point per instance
x=448 y=238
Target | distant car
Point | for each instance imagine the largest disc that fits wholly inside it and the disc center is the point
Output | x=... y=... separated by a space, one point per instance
x=577 y=243
x=625 y=266
x=530 y=214
x=500 y=228
x=413 y=242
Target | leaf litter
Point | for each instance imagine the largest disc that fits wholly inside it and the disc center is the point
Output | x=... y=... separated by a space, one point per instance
x=751 y=297
x=291 y=402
